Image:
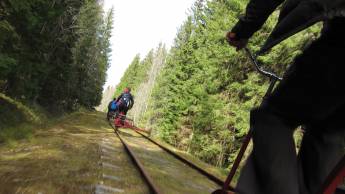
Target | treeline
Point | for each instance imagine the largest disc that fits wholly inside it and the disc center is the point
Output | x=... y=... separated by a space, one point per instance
x=202 y=97
x=141 y=76
x=107 y=96
x=54 y=53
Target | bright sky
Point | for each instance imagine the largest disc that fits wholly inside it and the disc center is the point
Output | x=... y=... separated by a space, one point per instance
x=139 y=26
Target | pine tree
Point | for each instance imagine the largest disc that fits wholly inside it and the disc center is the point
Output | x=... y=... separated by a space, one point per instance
x=203 y=96
x=54 y=53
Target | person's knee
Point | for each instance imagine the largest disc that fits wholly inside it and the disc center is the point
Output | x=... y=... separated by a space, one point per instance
x=266 y=114
x=264 y=121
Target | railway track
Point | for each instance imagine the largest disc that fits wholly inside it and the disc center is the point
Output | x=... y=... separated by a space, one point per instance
x=163 y=170
x=139 y=165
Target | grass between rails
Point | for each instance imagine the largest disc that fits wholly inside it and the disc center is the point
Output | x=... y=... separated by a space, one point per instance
x=218 y=172
x=169 y=174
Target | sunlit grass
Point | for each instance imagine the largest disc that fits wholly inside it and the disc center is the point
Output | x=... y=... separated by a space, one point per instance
x=64 y=156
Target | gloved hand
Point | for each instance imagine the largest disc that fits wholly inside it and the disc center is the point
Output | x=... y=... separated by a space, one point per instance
x=236 y=42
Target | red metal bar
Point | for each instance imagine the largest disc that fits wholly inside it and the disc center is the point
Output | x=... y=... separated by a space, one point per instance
x=334 y=179
x=237 y=161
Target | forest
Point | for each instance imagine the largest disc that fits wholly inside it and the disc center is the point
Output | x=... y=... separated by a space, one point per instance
x=54 y=53
x=195 y=96
x=53 y=57
x=203 y=92
x=192 y=100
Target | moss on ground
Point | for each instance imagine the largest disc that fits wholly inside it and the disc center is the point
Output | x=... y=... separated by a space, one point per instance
x=65 y=157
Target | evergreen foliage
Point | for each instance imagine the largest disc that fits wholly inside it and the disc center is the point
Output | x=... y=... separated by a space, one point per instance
x=140 y=76
x=54 y=53
x=202 y=97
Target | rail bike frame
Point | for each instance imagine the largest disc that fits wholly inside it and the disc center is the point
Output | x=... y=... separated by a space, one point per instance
x=333 y=180
x=121 y=121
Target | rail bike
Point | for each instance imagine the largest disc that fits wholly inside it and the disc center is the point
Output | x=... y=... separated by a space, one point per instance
x=120 y=120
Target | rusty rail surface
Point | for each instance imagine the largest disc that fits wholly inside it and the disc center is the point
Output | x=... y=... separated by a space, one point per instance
x=153 y=188
x=189 y=163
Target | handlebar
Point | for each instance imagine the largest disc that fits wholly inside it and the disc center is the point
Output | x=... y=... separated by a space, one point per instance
x=259 y=69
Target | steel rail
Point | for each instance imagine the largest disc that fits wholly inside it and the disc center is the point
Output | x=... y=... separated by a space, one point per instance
x=182 y=159
x=153 y=188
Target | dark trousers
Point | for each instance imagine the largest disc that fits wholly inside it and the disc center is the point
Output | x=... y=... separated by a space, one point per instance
x=110 y=113
x=312 y=94
x=123 y=108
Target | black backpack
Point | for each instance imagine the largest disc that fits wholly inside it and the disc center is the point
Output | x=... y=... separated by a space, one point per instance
x=126 y=100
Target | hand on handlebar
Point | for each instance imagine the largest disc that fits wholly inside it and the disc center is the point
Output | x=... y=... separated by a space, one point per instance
x=235 y=42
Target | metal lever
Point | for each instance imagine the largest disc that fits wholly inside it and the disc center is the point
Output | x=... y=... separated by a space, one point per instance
x=259 y=69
